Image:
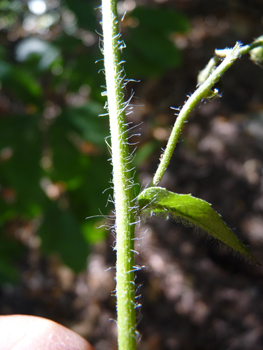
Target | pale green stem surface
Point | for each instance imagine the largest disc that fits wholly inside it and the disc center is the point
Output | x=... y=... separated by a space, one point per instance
x=124 y=225
x=203 y=91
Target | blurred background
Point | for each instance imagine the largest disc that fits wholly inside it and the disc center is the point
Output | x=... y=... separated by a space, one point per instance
x=55 y=170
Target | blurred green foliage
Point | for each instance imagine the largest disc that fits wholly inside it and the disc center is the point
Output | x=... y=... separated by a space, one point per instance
x=53 y=159
x=149 y=47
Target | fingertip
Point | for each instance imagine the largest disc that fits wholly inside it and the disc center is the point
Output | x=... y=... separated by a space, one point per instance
x=24 y=332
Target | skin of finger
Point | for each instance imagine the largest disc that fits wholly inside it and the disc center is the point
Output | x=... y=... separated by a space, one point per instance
x=21 y=332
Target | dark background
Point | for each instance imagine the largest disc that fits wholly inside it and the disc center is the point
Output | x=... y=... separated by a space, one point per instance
x=54 y=167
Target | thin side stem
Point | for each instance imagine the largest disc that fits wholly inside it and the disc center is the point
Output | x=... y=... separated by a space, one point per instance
x=203 y=91
x=124 y=225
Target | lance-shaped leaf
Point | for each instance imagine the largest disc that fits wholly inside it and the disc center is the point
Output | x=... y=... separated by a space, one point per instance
x=193 y=211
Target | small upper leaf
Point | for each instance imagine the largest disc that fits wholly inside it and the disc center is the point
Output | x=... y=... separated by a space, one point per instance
x=256 y=55
x=195 y=211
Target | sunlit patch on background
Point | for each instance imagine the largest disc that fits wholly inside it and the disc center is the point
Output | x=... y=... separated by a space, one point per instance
x=38 y=7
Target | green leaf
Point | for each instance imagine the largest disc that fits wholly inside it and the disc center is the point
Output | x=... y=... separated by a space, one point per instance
x=193 y=211
x=149 y=47
x=60 y=233
x=20 y=148
x=85 y=12
x=93 y=231
x=20 y=82
x=90 y=198
x=164 y=20
x=72 y=128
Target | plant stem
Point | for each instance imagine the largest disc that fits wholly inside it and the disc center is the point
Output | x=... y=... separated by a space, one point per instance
x=122 y=180
x=203 y=91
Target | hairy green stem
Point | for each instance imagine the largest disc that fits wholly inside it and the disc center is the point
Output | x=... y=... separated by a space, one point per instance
x=122 y=180
x=203 y=91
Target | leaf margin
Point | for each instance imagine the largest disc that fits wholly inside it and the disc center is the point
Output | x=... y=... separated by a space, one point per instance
x=156 y=200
